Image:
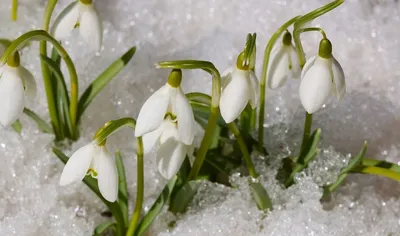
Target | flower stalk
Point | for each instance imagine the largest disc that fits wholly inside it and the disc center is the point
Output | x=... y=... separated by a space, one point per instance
x=263 y=81
x=214 y=110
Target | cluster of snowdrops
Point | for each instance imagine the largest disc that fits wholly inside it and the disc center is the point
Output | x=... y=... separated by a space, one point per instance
x=170 y=120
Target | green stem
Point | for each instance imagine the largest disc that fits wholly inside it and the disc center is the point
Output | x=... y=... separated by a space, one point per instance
x=140 y=190
x=40 y=35
x=51 y=103
x=100 y=137
x=306 y=18
x=263 y=81
x=306 y=135
x=14 y=10
x=205 y=143
x=312 y=29
x=242 y=145
x=214 y=110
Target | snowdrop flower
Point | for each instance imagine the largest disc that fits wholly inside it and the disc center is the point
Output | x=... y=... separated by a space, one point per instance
x=171 y=151
x=284 y=63
x=321 y=76
x=80 y=13
x=15 y=83
x=99 y=163
x=239 y=87
x=168 y=101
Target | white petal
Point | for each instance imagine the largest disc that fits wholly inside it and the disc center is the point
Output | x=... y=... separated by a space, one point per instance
x=255 y=89
x=234 y=97
x=66 y=21
x=307 y=66
x=170 y=157
x=316 y=86
x=294 y=59
x=185 y=117
x=226 y=77
x=91 y=28
x=12 y=96
x=29 y=82
x=78 y=164
x=150 y=139
x=107 y=176
x=153 y=111
x=339 y=79
x=278 y=69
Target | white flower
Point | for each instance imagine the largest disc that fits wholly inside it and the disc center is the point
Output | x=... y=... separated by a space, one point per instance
x=99 y=163
x=239 y=87
x=284 y=63
x=167 y=101
x=320 y=78
x=15 y=83
x=80 y=13
x=171 y=151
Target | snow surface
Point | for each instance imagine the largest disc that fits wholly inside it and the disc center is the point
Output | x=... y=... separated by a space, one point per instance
x=366 y=40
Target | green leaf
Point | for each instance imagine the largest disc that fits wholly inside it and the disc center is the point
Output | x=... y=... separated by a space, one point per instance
x=309 y=153
x=122 y=187
x=184 y=196
x=92 y=184
x=17 y=126
x=100 y=82
x=43 y=126
x=310 y=149
x=156 y=208
x=356 y=160
x=62 y=92
x=260 y=196
x=102 y=228
x=353 y=163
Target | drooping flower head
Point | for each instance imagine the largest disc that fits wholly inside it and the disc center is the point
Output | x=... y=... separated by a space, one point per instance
x=82 y=14
x=284 y=63
x=15 y=83
x=321 y=76
x=167 y=118
x=240 y=86
x=96 y=161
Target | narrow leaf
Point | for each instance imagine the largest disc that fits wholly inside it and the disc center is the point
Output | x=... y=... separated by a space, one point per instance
x=102 y=228
x=155 y=208
x=122 y=187
x=43 y=126
x=100 y=82
x=311 y=148
x=260 y=196
x=183 y=197
x=17 y=126
x=356 y=160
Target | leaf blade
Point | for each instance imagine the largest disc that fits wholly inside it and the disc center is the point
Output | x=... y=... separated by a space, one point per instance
x=155 y=208
x=103 y=79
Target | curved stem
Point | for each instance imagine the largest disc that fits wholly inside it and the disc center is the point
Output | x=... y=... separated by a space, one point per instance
x=140 y=189
x=14 y=10
x=310 y=29
x=243 y=148
x=39 y=35
x=263 y=81
x=51 y=104
x=101 y=136
x=306 y=18
x=214 y=110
